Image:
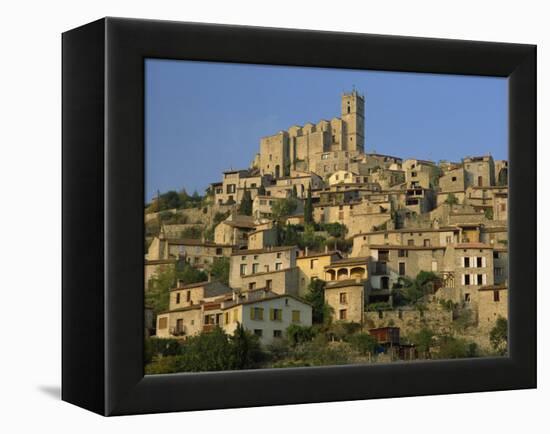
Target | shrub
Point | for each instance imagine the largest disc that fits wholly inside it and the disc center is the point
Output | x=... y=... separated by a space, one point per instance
x=297 y=334
x=363 y=343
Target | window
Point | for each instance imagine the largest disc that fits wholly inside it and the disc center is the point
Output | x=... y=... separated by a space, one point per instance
x=503 y=207
x=255 y=268
x=278 y=266
x=188 y=296
x=466 y=279
x=343 y=314
x=401 y=268
x=480 y=181
x=295 y=316
x=178 y=298
x=495 y=255
x=231 y=188
x=276 y=314
x=243 y=258
x=479 y=262
x=466 y=262
x=243 y=269
x=453 y=178
x=258 y=332
x=383 y=255
x=343 y=298
x=413 y=174
x=255 y=257
x=496 y=296
x=268 y=284
x=410 y=243
x=313 y=263
x=252 y=285
x=163 y=323
x=219 y=251
x=277 y=333
x=279 y=255
x=498 y=271
x=467 y=297
x=257 y=313
x=479 y=279
x=448 y=239
x=426 y=243
x=402 y=253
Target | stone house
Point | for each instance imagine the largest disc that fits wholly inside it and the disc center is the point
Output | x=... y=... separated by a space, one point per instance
x=410 y=237
x=247 y=263
x=311 y=266
x=234 y=230
x=261 y=312
x=262 y=238
x=479 y=171
x=265 y=314
x=186 y=308
x=492 y=304
x=500 y=206
x=500 y=265
x=234 y=183
x=195 y=252
x=347 y=299
x=420 y=174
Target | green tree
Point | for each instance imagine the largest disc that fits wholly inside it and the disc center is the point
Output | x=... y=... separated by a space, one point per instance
x=363 y=343
x=188 y=274
x=451 y=199
x=423 y=340
x=245 y=208
x=283 y=208
x=415 y=289
x=246 y=351
x=499 y=335
x=308 y=208
x=169 y=200
x=297 y=334
x=321 y=312
x=456 y=348
x=220 y=270
x=261 y=190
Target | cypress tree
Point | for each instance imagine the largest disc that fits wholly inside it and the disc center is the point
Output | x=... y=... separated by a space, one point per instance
x=308 y=208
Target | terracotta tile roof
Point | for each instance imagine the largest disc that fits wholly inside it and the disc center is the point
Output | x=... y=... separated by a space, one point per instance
x=473 y=246
x=267 y=298
x=493 y=287
x=350 y=261
x=194 y=242
x=267 y=250
x=404 y=247
x=319 y=254
x=344 y=283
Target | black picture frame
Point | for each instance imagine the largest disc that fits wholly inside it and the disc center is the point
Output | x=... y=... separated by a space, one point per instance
x=103 y=194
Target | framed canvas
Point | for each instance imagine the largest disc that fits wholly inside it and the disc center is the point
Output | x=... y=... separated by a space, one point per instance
x=307 y=266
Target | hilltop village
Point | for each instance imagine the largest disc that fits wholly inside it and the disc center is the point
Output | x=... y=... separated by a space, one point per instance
x=318 y=240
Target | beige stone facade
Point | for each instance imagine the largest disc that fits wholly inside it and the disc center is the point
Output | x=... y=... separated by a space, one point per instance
x=347 y=299
x=312 y=266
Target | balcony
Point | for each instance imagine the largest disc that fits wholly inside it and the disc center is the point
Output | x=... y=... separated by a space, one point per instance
x=177 y=331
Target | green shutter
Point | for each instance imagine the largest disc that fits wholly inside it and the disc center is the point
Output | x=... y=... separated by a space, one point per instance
x=251 y=313
x=271 y=314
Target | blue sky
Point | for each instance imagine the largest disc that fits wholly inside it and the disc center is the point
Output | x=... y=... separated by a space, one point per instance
x=202 y=118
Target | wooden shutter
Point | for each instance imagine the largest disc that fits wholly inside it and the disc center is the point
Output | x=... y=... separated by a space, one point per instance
x=252 y=313
x=271 y=314
x=483 y=261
